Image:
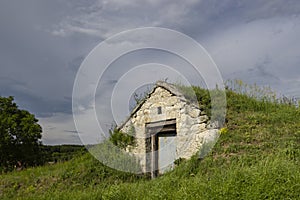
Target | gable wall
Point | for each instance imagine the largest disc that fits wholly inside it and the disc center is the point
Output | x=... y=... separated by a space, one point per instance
x=190 y=123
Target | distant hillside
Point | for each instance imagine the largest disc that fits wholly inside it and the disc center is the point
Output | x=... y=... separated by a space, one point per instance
x=256 y=157
x=59 y=153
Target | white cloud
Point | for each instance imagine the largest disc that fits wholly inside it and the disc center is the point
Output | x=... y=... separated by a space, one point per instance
x=263 y=51
x=59 y=129
x=105 y=18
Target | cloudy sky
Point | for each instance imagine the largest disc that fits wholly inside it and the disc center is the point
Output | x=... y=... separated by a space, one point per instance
x=43 y=43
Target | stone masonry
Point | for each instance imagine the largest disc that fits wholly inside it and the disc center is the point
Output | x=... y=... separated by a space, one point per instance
x=164 y=103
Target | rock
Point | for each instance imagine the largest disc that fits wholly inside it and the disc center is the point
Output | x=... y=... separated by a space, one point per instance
x=194 y=113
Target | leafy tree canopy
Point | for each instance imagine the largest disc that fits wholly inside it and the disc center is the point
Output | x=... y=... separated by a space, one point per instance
x=20 y=136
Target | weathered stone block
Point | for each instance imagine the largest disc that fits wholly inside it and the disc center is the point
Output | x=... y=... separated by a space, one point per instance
x=194 y=113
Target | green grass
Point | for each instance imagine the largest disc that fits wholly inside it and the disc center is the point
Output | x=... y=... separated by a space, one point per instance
x=256 y=157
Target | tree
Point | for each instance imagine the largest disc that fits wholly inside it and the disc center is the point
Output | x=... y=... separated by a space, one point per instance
x=20 y=136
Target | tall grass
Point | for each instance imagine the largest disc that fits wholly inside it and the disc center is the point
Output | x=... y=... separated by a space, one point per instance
x=256 y=157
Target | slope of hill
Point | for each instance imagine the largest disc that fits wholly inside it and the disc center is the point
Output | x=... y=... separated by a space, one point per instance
x=256 y=157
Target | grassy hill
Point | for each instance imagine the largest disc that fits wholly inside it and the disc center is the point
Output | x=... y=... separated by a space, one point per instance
x=256 y=157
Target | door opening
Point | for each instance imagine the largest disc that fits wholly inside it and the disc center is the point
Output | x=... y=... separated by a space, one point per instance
x=160 y=146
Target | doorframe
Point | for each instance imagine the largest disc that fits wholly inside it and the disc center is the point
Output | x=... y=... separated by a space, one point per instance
x=153 y=131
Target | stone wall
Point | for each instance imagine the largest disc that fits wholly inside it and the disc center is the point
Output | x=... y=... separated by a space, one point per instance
x=190 y=123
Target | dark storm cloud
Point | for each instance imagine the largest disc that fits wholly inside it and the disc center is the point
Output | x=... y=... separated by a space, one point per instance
x=39 y=105
x=36 y=67
x=71 y=131
x=42 y=44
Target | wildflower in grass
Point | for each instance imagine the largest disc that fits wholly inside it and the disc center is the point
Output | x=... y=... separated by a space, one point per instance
x=224 y=130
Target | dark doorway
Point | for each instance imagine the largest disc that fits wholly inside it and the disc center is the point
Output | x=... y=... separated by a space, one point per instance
x=160 y=146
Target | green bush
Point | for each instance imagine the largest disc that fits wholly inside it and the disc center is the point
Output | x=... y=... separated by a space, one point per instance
x=121 y=139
